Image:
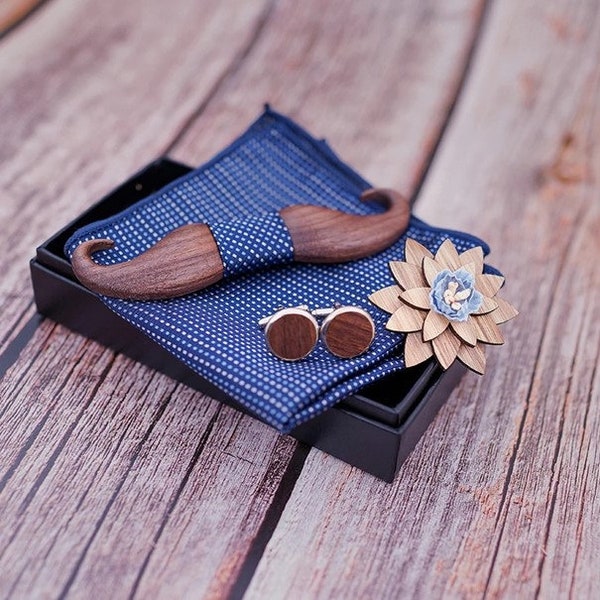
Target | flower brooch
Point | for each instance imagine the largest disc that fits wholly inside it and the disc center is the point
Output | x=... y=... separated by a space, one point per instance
x=445 y=304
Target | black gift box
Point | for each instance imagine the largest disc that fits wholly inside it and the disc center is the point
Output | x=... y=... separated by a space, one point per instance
x=374 y=430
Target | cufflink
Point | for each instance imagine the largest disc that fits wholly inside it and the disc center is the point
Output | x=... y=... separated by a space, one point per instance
x=346 y=331
x=291 y=333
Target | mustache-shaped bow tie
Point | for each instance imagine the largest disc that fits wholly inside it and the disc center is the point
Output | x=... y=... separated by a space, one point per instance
x=188 y=258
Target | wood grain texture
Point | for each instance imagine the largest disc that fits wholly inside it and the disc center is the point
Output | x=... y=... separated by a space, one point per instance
x=115 y=479
x=102 y=451
x=321 y=235
x=500 y=497
x=17 y=314
x=74 y=480
x=440 y=333
x=291 y=333
x=378 y=79
x=88 y=101
x=187 y=259
x=348 y=331
x=288 y=74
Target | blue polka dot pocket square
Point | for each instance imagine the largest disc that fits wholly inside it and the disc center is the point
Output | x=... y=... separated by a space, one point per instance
x=215 y=331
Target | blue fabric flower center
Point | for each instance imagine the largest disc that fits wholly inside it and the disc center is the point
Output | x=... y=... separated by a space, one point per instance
x=453 y=294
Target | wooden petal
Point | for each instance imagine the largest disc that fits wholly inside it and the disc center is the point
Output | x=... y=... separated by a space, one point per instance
x=445 y=347
x=417 y=297
x=473 y=357
x=387 y=299
x=405 y=319
x=488 y=285
x=431 y=269
x=504 y=312
x=465 y=331
x=472 y=268
x=434 y=325
x=474 y=255
x=407 y=275
x=416 y=350
x=488 y=305
x=447 y=256
x=415 y=252
x=486 y=329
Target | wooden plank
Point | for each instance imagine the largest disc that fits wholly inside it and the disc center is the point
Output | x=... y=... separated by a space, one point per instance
x=87 y=467
x=289 y=75
x=86 y=464
x=17 y=314
x=51 y=494
x=499 y=499
x=81 y=112
x=377 y=81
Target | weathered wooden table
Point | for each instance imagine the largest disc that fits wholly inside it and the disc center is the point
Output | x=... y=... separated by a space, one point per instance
x=115 y=481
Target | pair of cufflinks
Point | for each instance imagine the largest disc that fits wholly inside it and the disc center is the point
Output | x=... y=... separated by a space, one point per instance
x=293 y=333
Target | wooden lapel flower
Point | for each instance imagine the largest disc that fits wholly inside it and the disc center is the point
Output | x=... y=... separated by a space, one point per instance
x=445 y=304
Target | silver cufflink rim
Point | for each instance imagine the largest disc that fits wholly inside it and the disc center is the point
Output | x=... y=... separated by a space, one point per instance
x=329 y=316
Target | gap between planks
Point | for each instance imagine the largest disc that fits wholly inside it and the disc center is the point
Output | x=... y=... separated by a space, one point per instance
x=507 y=514
x=236 y=67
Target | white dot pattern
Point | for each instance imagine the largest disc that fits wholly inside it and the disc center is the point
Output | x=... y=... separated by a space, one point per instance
x=248 y=245
x=215 y=331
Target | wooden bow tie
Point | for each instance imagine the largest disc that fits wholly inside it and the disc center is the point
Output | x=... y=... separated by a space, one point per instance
x=187 y=259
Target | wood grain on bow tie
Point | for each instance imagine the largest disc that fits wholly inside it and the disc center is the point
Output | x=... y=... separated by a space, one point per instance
x=188 y=259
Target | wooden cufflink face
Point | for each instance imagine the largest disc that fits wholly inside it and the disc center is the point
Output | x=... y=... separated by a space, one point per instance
x=291 y=333
x=348 y=331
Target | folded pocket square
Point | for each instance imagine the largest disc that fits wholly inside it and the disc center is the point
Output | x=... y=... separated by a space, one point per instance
x=215 y=331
